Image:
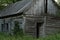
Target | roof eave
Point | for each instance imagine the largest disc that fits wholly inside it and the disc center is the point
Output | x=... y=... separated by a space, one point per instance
x=14 y=15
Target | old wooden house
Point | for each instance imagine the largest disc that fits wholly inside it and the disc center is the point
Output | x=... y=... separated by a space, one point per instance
x=31 y=17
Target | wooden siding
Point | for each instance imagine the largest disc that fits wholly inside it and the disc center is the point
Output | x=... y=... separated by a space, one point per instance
x=11 y=24
x=30 y=25
x=53 y=26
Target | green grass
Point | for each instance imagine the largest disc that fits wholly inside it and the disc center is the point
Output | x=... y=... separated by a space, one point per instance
x=51 y=37
x=9 y=37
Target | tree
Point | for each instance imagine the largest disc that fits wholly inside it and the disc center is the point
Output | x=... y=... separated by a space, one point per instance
x=57 y=1
x=4 y=3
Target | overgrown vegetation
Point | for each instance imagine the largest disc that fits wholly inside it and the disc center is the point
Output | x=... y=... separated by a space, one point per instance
x=17 y=29
x=58 y=13
x=4 y=3
x=8 y=37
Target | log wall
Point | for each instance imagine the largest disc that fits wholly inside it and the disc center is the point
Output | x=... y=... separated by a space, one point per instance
x=53 y=26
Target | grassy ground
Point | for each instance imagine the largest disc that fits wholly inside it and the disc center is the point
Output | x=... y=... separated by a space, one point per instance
x=8 y=37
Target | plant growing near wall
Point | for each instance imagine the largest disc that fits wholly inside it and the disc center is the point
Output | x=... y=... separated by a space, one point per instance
x=17 y=29
x=58 y=13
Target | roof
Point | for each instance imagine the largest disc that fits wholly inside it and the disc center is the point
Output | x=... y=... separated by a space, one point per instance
x=15 y=8
x=18 y=7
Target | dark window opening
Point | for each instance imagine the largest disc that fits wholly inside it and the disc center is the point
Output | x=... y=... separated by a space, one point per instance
x=4 y=27
x=7 y=26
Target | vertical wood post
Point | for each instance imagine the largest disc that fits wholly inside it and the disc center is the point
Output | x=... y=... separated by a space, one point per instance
x=4 y=25
x=45 y=17
x=24 y=18
x=10 y=23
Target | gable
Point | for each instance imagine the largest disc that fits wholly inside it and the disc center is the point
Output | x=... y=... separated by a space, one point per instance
x=30 y=8
x=38 y=8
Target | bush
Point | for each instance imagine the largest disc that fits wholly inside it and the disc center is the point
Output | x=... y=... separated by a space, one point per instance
x=58 y=13
x=17 y=30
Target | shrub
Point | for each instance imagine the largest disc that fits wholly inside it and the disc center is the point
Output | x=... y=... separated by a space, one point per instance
x=17 y=30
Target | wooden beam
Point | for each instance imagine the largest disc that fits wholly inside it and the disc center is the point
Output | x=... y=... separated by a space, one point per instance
x=13 y=15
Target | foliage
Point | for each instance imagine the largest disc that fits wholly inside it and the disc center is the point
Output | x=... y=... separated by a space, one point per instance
x=58 y=2
x=8 y=37
x=17 y=29
x=58 y=13
x=4 y=3
x=8 y=1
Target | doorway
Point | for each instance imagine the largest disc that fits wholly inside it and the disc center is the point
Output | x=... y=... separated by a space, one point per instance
x=38 y=25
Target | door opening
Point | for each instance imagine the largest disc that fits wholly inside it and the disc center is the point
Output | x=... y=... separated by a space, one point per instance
x=38 y=25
